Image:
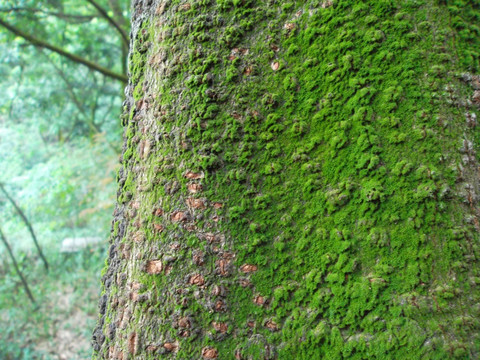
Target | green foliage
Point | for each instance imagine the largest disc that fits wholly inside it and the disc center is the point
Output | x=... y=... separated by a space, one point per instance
x=66 y=190
x=67 y=305
x=61 y=98
x=59 y=138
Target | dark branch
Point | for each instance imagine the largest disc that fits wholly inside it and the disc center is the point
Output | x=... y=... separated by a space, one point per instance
x=74 y=17
x=110 y=20
x=10 y=252
x=71 y=92
x=27 y=223
x=40 y=43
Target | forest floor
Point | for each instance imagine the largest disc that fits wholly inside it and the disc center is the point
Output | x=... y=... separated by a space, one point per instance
x=59 y=327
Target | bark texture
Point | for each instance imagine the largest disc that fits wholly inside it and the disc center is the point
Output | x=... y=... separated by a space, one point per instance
x=299 y=181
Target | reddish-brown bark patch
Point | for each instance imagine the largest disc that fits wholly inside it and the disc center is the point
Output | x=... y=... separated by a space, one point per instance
x=158 y=227
x=222 y=267
x=209 y=353
x=184 y=322
x=220 y=327
x=244 y=282
x=220 y=306
x=170 y=347
x=327 y=4
x=194 y=188
x=152 y=348
x=217 y=205
x=197 y=279
x=247 y=268
x=259 y=300
x=210 y=237
x=190 y=227
x=158 y=212
x=134 y=296
x=184 y=333
x=198 y=258
x=178 y=216
x=219 y=290
x=136 y=285
x=175 y=246
x=196 y=203
x=228 y=255
x=271 y=325
x=154 y=267
x=132 y=343
x=193 y=176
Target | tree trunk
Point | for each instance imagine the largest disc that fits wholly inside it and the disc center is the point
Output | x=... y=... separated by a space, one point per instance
x=298 y=181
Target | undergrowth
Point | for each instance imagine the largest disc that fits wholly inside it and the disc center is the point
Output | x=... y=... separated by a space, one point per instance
x=58 y=325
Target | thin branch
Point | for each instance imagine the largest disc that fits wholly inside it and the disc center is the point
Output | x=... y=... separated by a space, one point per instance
x=70 y=133
x=118 y=13
x=78 y=59
x=10 y=252
x=17 y=90
x=124 y=60
x=93 y=109
x=110 y=20
x=27 y=223
x=110 y=107
x=72 y=94
x=75 y=18
x=123 y=22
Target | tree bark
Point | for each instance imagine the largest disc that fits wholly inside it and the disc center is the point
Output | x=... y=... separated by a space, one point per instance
x=299 y=181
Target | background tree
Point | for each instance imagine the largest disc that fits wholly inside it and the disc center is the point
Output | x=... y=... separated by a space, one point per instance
x=82 y=49
x=62 y=73
x=299 y=181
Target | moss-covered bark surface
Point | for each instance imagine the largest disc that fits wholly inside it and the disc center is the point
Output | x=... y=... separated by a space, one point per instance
x=299 y=181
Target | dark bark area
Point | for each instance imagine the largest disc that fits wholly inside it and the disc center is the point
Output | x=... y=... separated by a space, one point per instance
x=299 y=181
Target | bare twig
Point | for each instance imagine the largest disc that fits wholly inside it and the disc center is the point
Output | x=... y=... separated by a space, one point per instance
x=73 y=17
x=27 y=223
x=110 y=20
x=37 y=42
x=24 y=281
x=19 y=83
x=118 y=13
x=73 y=96
x=123 y=22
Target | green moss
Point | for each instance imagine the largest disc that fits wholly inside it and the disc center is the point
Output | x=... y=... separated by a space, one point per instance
x=337 y=179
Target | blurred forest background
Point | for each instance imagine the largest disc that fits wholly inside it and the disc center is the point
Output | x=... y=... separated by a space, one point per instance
x=62 y=73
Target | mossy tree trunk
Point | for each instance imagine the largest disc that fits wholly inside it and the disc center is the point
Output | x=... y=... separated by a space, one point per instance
x=299 y=181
